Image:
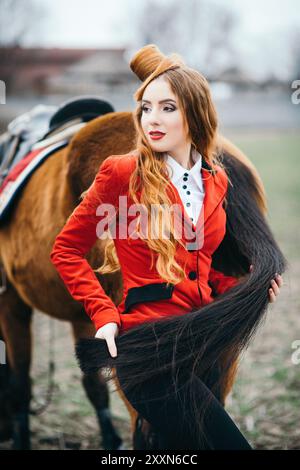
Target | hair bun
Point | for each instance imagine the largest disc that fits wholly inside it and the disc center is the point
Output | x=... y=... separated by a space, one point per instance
x=145 y=61
x=149 y=59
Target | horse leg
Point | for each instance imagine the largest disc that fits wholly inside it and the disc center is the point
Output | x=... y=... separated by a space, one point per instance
x=97 y=391
x=5 y=407
x=15 y=320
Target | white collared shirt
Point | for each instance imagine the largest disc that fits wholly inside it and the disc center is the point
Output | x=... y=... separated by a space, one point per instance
x=188 y=184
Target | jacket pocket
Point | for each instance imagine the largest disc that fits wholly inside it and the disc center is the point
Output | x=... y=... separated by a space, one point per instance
x=147 y=293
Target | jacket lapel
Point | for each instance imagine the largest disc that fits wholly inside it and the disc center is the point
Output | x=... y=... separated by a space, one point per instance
x=214 y=192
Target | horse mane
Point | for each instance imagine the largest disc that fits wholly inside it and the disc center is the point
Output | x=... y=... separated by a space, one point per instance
x=94 y=143
x=258 y=190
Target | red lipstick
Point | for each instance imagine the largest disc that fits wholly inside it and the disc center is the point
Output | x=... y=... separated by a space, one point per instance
x=156 y=135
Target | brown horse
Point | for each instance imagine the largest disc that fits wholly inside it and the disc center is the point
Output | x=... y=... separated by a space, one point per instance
x=49 y=197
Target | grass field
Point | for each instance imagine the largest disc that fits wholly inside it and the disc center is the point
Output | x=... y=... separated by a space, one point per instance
x=266 y=399
x=265 y=402
x=277 y=158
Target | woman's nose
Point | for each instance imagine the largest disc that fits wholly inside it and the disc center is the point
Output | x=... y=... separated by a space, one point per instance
x=154 y=121
x=154 y=117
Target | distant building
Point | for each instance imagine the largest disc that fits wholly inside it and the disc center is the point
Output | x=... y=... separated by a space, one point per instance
x=68 y=72
x=105 y=71
x=26 y=70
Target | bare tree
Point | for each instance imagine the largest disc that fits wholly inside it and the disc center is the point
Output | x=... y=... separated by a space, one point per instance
x=159 y=23
x=199 y=30
x=20 y=20
x=220 y=49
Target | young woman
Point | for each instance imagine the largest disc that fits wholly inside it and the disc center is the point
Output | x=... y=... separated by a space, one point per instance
x=174 y=178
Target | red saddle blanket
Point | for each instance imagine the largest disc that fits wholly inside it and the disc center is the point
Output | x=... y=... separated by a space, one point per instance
x=19 y=175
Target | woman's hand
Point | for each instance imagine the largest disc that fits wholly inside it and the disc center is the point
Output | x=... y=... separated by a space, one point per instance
x=108 y=332
x=276 y=284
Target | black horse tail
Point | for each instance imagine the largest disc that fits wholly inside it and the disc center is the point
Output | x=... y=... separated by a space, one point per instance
x=197 y=342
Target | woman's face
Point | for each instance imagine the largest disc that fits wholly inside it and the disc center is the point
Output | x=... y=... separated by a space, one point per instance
x=161 y=112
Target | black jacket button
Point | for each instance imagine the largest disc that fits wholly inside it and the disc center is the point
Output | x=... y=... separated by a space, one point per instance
x=192 y=275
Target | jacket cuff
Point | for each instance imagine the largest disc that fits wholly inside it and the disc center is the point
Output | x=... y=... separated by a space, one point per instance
x=106 y=317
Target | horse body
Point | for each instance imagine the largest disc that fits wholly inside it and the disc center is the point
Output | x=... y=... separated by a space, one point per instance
x=26 y=240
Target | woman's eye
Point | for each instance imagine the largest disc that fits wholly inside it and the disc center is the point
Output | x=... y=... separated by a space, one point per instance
x=144 y=108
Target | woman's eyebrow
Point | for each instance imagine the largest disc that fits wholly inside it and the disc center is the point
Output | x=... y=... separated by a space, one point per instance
x=162 y=101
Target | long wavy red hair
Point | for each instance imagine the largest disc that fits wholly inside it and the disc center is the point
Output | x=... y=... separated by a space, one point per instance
x=149 y=180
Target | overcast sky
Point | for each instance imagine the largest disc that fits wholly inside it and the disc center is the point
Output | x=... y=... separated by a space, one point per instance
x=261 y=32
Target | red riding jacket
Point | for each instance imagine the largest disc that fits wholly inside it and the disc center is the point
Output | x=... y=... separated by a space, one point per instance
x=146 y=296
